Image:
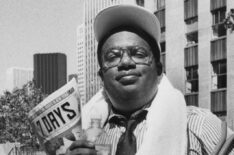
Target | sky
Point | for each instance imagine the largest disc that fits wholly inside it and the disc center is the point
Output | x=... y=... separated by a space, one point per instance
x=37 y=26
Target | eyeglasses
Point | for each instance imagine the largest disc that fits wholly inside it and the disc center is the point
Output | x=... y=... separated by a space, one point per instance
x=139 y=55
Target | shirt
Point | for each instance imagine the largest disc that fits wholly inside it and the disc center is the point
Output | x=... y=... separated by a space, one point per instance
x=203 y=132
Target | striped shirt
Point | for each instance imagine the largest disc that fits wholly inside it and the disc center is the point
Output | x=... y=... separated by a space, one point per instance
x=204 y=132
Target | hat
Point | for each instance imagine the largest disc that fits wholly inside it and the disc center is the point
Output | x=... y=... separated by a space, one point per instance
x=129 y=16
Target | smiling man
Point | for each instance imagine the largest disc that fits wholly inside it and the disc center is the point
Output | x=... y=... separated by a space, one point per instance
x=141 y=112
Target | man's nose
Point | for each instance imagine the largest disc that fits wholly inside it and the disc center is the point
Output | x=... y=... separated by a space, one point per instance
x=126 y=62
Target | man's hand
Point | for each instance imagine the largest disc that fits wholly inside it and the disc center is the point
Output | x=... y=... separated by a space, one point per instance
x=81 y=147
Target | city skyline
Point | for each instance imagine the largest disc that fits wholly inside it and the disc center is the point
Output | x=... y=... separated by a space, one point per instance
x=29 y=27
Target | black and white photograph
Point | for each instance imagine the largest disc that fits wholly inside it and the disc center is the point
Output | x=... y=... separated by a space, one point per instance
x=117 y=77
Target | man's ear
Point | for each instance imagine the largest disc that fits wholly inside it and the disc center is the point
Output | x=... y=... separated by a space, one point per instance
x=100 y=74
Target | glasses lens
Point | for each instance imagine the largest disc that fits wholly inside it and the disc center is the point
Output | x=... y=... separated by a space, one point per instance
x=139 y=55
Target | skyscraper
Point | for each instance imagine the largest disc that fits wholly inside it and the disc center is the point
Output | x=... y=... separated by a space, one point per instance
x=81 y=65
x=50 y=71
x=88 y=80
x=198 y=52
x=71 y=76
x=16 y=77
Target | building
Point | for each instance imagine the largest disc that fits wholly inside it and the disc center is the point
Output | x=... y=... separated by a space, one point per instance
x=50 y=71
x=81 y=65
x=197 y=52
x=88 y=80
x=16 y=77
x=71 y=76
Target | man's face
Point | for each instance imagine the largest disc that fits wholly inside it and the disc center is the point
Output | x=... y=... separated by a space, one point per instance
x=129 y=71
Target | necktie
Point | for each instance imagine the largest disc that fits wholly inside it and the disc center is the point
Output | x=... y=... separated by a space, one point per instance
x=127 y=141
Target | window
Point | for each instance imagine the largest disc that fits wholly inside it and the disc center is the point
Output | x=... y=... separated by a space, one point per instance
x=191 y=99
x=160 y=4
x=217 y=4
x=163 y=47
x=190 y=9
x=218 y=49
x=218 y=17
x=192 y=38
x=160 y=14
x=191 y=85
x=219 y=74
x=191 y=79
x=140 y=2
x=163 y=55
x=191 y=56
x=218 y=102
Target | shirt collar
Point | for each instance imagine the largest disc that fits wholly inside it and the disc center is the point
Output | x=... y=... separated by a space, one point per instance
x=119 y=120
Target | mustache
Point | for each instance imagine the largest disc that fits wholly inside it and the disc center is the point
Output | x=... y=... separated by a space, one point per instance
x=127 y=73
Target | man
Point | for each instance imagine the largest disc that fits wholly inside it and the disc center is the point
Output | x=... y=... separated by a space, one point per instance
x=141 y=112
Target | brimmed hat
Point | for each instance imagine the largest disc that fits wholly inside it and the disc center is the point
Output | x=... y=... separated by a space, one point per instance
x=128 y=16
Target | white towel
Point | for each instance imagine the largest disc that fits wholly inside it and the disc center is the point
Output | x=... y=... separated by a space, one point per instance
x=166 y=120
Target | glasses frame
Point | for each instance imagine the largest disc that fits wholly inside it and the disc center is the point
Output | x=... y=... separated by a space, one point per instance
x=127 y=50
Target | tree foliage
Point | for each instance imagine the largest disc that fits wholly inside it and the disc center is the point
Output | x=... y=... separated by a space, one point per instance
x=14 y=108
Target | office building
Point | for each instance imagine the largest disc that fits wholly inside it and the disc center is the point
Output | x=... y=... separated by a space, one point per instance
x=16 y=77
x=71 y=76
x=50 y=71
x=81 y=65
x=88 y=80
x=197 y=52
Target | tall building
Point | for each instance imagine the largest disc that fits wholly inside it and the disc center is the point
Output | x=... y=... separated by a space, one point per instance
x=88 y=81
x=16 y=77
x=50 y=71
x=81 y=65
x=198 y=52
x=71 y=76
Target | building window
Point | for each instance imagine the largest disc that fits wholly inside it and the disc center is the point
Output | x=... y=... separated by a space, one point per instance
x=218 y=18
x=219 y=74
x=191 y=85
x=163 y=47
x=217 y=4
x=218 y=102
x=191 y=56
x=163 y=55
x=191 y=79
x=191 y=69
x=190 y=10
x=218 y=49
x=191 y=99
x=160 y=14
x=140 y=2
x=160 y=4
x=192 y=38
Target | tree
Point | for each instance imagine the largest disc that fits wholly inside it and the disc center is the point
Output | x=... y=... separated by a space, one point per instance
x=14 y=108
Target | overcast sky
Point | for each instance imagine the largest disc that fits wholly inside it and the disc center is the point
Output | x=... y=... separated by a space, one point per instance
x=37 y=26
